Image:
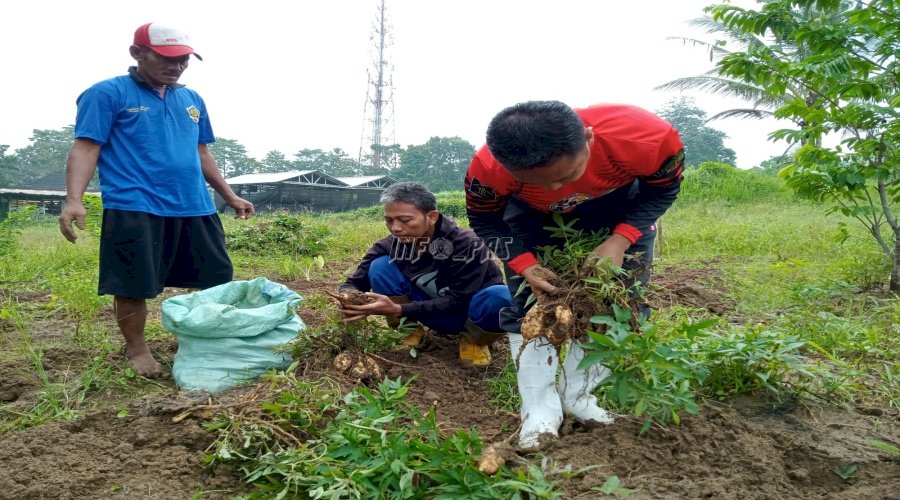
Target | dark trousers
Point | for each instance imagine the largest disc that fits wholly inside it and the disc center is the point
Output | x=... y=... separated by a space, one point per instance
x=483 y=310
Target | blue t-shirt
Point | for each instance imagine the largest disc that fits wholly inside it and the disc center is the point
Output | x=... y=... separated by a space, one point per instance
x=148 y=145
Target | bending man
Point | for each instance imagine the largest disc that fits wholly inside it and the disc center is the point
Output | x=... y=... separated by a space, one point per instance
x=614 y=168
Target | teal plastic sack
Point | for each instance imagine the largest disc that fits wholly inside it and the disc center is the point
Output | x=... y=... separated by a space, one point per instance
x=229 y=334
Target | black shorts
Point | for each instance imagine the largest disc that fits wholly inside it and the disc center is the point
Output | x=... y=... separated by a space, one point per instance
x=141 y=253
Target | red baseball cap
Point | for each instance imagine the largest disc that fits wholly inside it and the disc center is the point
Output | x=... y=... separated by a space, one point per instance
x=165 y=41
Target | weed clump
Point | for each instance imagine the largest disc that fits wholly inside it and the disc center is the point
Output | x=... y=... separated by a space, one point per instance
x=297 y=440
x=281 y=233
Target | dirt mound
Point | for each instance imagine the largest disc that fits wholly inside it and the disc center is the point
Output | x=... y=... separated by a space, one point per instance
x=459 y=392
x=101 y=455
x=747 y=450
x=15 y=384
x=725 y=454
x=20 y=381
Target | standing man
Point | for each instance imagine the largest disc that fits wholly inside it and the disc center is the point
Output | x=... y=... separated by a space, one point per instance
x=149 y=136
x=614 y=168
x=431 y=271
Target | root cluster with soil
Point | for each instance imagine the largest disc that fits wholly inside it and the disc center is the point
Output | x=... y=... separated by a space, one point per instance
x=352 y=358
x=565 y=313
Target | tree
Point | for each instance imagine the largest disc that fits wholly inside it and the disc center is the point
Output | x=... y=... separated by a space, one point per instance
x=774 y=164
x=9 y=168
x=231 y=156
x=335 y=162
x=46 y=154
x=843 y=56
x=701 y=143
x=763 y=100
x=390 y=160
x=275 y=161
x=440 y=163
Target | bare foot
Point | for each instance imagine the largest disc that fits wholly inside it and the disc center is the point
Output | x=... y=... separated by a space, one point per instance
x=145 y=364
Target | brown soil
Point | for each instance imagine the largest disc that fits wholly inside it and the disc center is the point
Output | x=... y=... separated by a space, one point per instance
x=694 y=288
x=103 y=456
x=742 y=449
x=747 y=449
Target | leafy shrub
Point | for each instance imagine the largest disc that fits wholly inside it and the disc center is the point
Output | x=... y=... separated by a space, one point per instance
x=94 y=220
x=719 y=181
x=452 y=204
x=750 y=359
x=318 y=345
x=282 y=233
x=11 y=227
x=649 y=378
x=659 y=378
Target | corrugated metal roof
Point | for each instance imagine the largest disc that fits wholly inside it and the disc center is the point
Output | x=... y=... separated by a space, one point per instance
x=39 y=192
x=357 y=181
x=267 y=178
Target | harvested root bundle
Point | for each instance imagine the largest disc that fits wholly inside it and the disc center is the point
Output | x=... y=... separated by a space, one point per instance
x=363 y=367
x=557 y=324
x=352 y=297
x=561 y=314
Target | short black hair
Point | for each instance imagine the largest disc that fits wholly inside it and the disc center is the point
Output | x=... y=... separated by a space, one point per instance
x=410 y=192
x=535 y=133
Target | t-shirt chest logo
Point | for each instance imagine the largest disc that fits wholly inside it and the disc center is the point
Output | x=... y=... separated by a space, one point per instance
x=194 y=113
x=569 y=202
x=482 y=191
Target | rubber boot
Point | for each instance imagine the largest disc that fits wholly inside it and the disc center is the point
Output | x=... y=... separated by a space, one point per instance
x=541 y=411
x=414 y=338
x=576 y=387
x=474 y=342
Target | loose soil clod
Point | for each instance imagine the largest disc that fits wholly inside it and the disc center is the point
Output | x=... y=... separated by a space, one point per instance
x=353 y=297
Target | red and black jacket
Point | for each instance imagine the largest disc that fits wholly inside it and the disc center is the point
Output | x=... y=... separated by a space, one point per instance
x=629 y=143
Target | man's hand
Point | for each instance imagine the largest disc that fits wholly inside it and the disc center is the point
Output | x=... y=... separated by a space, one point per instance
x=612 y=249
x=243 y=209
x=382 y=305
x=539 y=278
x=80 y=165
x=73 y=212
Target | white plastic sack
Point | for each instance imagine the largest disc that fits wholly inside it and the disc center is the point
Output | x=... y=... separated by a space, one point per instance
x=228 y=334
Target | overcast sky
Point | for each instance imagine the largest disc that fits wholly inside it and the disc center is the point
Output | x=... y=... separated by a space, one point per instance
x=292 y=75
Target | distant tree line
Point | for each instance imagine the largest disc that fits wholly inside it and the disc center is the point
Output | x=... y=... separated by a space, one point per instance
x=440 y=163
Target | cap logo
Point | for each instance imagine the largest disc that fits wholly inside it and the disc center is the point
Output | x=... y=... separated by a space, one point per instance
x=163 y=35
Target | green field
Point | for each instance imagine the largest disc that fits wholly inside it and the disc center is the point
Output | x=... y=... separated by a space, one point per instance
x=802 y=316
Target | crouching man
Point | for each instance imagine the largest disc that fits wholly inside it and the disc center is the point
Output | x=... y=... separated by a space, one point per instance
x=431 y=271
